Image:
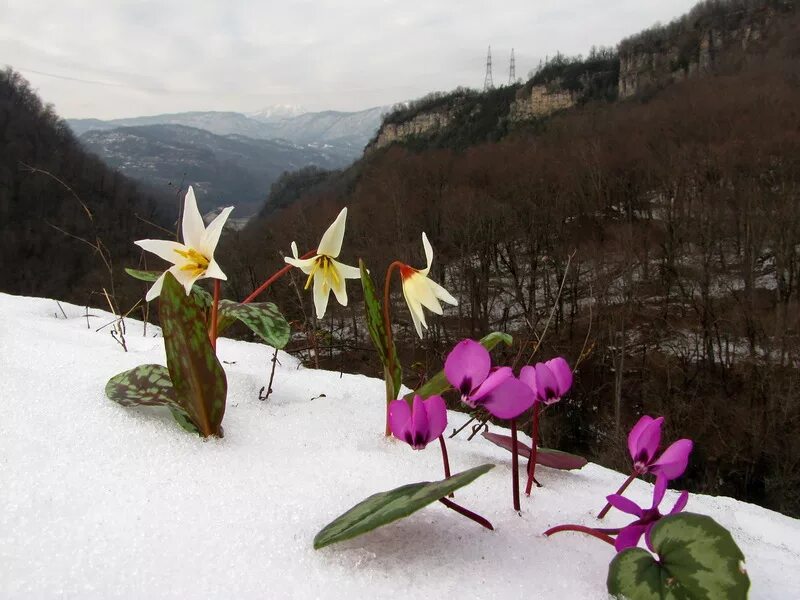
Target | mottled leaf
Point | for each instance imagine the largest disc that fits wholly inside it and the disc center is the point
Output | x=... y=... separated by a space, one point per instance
x=439 y=384
x=377 y=332
x=146 y=385
x=197 y=376
x=263 y=318
x=385 y=507
x=548 y=457
x=202 y=297
x=697 y=559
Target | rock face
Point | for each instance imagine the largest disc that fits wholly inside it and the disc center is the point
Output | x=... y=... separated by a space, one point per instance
x=423 y=124
x=541 y=101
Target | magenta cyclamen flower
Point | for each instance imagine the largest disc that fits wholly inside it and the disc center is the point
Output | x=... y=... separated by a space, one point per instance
x=629 y=536
x=468 y=368
x=643 y=442
x=549 y=380
x=419 y=424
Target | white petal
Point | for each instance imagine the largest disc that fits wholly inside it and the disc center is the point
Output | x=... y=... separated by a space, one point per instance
x=294 y=250
x=305 y=264
x=193 y=226
x=346 y=271
x=441 y=293
x=321 y=293
x=417 y=316
x=418 y=287
x=210 y=237
x=185 y=278
x=428 y=254
x=155 y=291
x=165 y=249
x=214 y=272
x=331 y=242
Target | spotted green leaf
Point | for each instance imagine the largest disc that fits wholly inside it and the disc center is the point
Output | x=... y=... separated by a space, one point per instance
x=196 y=373
x=146 y=385
x=697 y=560
x=202 y=297
x=439 y=384
x=385 y=507
x=263 y=318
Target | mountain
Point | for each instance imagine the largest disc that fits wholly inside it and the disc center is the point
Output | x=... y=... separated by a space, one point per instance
x=278 y=112
x=225 y=169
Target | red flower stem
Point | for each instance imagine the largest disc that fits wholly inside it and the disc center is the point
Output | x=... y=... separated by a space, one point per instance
x=467 y=513
x=593 y=532
x=445 y=462
x=212 y=333
x=534 y=444
x=387 y=325
x=514 y=466
x=622 y=488
x=275 y=276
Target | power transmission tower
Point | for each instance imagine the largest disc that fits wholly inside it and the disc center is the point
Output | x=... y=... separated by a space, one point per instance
x=512 y=70
x=487 y=82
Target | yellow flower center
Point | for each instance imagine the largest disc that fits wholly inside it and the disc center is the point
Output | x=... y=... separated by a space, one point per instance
x=196 y=263
x=325 y=264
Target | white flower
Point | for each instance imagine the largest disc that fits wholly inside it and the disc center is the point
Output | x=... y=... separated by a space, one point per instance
x=194 y=259
x=326 y=273
x=420 y=291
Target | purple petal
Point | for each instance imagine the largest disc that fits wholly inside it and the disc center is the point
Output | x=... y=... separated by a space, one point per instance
x=546 y=384
x=399 y=418
x=627 y=506
x=680 y=504
x=437 y=416
x=497 y=376
x=658 y=490
x=419 y=424
x=647 y=532
x=646 y=444
x=560 y=369
x=509 y=399
x=467 y=366
x=633 y=436
x=672 y=462
x=527 y=375
x=629 y=537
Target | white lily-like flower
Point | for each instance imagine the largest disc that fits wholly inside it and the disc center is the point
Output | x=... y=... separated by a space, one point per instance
x=326 y=273
x=194 y=259
x=420 y=291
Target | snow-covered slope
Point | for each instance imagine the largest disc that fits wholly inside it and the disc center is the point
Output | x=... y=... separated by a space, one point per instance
x=99 y=501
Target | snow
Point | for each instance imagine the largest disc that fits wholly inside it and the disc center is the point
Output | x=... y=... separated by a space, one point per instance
x=99 y=501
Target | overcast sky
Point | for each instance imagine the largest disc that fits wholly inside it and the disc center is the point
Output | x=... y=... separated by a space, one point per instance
x=113 y=58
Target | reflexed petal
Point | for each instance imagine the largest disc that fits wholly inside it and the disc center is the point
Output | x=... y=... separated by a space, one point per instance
x=546 y=384
x=627 y=506
x=214 y=272
x=647 y=443
x=419 y=423
x=331 y=242
x=629 y=537
x=428 y=254
x=164 y=249
x=560 y=369
x=185 y=278
x=680 y=503
x=399 y=418
x=414 y=307
x=441 y=293
x=338 y=287
x=509 y=399
x=347 y=271
x=647 y=532
x=437 y=416
x=193 y=226
x=527 y=375
x=467 y=366
x=496 y=376
x=155 y=290
x=321 y=293
x=673 y=461
x=210 y=237
x=294 y=250
x=658 y=490
x=417 y=286
x=304 y=264
x=635 y=432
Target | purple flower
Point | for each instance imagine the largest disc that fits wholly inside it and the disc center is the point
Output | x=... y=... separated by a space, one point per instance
x=419 y=424
x=643 y=442
x=630 y=535
x=468 y=368
x=549 y=380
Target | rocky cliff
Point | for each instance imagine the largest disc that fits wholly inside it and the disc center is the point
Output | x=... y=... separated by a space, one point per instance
x=541 y=101
x=422 y=125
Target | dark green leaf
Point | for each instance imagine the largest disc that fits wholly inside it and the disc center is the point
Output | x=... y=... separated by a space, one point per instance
x=697 y=559
x=146 y=385
x=197 y=375
x=182 y=419
x=555 y=459
x=385 y=507
x=439 y=384
x=377 y=331
x=203 y=299
x=263 y=318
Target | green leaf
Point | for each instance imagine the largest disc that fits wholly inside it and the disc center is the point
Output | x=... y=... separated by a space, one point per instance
x=197 y=376
x=697 y=559
x=143 y=275
x=439 y=384
x=377 y=332
x=182 y=419
x=202 y=297
x=146 y=385
x=385 y=507
x=548 y=457
x=263 y=318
